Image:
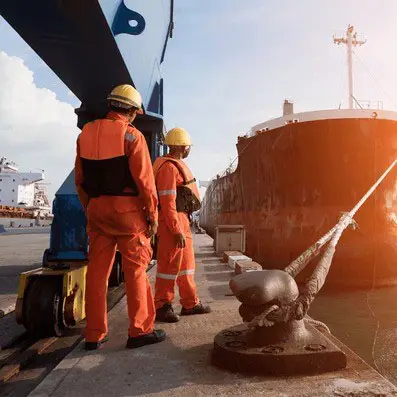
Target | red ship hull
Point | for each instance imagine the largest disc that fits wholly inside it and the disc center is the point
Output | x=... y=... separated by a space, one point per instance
x=291 y=185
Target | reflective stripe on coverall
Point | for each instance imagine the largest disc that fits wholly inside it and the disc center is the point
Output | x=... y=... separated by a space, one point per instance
x=118 y=221
x=173 y=264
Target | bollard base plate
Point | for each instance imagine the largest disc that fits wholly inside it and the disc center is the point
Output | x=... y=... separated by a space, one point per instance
x=235 y=350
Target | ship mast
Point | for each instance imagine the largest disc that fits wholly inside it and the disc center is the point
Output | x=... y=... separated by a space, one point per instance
x=350 y=40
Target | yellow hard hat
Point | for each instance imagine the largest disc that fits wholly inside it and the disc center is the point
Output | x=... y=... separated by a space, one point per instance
x=178 y=137
x=126 y=96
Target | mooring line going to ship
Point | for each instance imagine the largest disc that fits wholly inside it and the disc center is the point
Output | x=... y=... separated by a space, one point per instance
x=346 y=219
x=298 y=309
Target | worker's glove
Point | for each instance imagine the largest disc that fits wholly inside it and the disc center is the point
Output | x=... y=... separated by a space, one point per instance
x=153 y=225
x=180 y=240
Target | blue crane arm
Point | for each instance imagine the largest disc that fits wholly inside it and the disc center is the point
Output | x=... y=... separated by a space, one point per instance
x=93 y=45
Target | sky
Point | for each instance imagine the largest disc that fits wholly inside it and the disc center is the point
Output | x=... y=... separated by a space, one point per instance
x=229 y=66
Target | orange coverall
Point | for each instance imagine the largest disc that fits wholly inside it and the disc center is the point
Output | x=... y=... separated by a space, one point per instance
x=173 y=264
x=118 y=221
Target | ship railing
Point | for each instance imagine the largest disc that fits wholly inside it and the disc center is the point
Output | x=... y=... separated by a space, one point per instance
x=368 y=104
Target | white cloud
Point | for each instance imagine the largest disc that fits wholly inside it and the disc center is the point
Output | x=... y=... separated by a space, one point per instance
x=37 y=131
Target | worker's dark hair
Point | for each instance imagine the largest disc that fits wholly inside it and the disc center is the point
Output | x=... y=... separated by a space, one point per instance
x=121 y=110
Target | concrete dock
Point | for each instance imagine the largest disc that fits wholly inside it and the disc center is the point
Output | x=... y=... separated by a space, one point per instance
x=18 y=253
x=181 y=366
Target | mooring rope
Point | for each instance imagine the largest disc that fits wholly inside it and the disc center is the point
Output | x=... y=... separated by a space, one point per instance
x=346 y=219
x=317 y=280
x=298 y=309
x=296 y=266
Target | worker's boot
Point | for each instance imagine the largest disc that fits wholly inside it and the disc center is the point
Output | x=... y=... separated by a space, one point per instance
x=198 y=309
x=95 y=345
x=166 y=314
x=158 y=335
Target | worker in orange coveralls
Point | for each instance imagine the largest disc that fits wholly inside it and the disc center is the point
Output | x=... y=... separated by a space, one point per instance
x=179 y=198
x=115 y=184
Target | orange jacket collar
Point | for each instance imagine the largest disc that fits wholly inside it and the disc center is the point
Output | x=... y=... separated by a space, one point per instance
x=117 y=116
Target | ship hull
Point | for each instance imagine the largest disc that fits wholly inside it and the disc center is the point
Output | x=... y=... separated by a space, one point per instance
x=291 y=185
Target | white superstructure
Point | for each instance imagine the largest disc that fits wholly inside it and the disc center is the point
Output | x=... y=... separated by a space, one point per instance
x=22 y=189
x=331 y=114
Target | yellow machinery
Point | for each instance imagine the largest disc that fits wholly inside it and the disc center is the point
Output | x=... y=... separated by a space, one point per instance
x=51 y=300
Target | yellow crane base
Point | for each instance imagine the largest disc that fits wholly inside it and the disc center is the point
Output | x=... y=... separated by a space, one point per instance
x=51 y=299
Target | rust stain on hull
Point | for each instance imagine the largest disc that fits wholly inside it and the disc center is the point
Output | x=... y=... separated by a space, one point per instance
x=291 y=185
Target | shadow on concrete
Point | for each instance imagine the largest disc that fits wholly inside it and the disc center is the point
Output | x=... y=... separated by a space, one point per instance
x=220 y=292
x=206 y=255
x=221 y=267
x=222 y=276
x=162 y=368
x=9 y=277
x=15 y=270
x=213 y=261
x=8 y=286
x=39 y=367
x=9 y=330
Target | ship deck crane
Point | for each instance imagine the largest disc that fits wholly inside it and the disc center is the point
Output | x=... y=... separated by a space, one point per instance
x=91 y=46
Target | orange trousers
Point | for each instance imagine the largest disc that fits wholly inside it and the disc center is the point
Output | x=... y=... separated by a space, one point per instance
x=174 y=265
x=111 y=226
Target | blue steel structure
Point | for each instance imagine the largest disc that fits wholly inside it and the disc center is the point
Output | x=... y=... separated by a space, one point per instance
x=93 y=45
